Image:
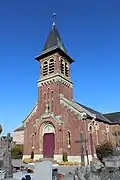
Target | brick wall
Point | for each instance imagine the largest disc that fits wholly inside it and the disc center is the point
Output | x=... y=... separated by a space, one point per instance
x=49 y=93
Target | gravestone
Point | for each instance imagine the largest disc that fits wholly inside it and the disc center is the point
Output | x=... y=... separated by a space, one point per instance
x=2 y=174
x=43 y=170
x=112 y=161
x=1 y=159
x=5 y=156
x=99 y=172
x=7 y=166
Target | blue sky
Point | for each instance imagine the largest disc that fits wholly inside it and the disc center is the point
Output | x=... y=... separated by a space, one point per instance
x=91 y=33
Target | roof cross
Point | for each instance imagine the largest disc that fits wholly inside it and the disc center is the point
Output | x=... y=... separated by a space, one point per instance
x=53 y=19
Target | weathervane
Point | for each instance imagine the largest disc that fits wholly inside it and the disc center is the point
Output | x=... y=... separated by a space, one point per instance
x=53 y=19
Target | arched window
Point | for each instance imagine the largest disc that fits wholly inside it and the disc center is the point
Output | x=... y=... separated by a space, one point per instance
x=33 y=140
x=45 y=97
x=66 y=70
x=51 y=66
x=48 y=128
x=96 y=127
x=52 y=95
x=45 y=68
x=62 y=66
x=48 y=94
x=69 y=140
x=91 y=129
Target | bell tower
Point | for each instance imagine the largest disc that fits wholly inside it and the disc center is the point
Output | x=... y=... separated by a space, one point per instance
x=54 y=73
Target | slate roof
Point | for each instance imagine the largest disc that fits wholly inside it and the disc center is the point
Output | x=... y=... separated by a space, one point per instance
x=19 y=129
x=99 y=116
x=113 y=117
x=54 y=40
x=54 y=43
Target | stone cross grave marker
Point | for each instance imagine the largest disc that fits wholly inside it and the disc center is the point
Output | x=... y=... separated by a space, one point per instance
x=82 y=147
x=7 y=165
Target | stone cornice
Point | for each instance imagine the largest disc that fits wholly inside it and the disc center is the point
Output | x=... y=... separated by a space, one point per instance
x=55 y=78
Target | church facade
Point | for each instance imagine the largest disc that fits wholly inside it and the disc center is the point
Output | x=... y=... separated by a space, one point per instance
x=58 y=124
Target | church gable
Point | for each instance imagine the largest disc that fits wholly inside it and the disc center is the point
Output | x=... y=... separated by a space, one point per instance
x=48 y=114
x=31 y=114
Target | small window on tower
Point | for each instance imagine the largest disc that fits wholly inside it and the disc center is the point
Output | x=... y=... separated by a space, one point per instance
x=45 y=100
x=45 y=97
x=52 y=98
x=48 y=94
x=62 y=66
x=66 y=70
x=69 y=140
x=52 y=95
x=45 y=68
x=51 y=66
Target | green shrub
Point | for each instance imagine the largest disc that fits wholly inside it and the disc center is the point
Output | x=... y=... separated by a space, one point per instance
x=32 y=155
x=104 y=150
x=17 y=152
x=65 y=156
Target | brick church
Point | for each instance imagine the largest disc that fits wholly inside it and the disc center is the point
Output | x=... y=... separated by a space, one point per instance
x=58 y=124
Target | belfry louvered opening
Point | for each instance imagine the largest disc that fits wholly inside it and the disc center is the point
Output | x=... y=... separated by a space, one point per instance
x=62 y=66
x=51 y=66
x=66 y=70
x=45 y=68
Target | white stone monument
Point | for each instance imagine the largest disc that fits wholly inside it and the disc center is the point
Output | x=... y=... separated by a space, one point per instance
x=43 y=170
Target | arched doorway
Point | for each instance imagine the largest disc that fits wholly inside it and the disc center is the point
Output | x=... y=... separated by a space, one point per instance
x=48 y=141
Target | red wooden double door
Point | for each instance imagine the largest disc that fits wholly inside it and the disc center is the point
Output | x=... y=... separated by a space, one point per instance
x=48 y=145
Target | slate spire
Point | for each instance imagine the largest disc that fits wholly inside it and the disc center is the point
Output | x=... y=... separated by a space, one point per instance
x=54 y=40
x=54 y=44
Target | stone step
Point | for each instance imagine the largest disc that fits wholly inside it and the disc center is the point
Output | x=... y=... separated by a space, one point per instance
x=49 y=159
